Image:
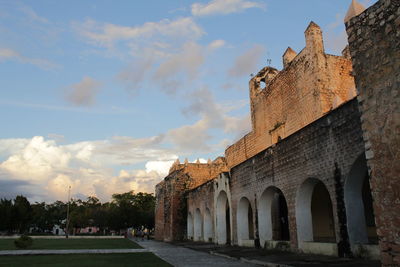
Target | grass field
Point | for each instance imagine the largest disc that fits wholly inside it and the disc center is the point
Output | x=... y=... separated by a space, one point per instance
x=134 y=259
x=8 y=244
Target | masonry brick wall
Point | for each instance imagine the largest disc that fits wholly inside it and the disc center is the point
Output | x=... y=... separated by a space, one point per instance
x=317 y=151
x=159 y=212
x=202 y=198
x=311 y=85
x=171 y=196
x=374 y=40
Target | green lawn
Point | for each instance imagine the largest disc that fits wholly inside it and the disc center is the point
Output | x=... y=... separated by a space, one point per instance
x=133 y=259
x=8 y=244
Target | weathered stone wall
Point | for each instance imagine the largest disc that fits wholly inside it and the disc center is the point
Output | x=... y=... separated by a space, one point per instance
x=310 y=85
x=202 y=198
x=320 y=150
x=374 y=40
x=171 y=202
x=159 y=211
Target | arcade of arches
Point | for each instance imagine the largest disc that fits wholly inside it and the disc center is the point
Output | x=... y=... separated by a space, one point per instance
x=275 y=216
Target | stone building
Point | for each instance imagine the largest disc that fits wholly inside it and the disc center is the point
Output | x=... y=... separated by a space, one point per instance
x=300 y=179
x=171 y=197
x=374 y=40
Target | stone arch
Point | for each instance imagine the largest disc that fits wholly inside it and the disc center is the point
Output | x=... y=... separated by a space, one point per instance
x=198 y=235
x=190 y=226
x=273 y=223
x=223 y=219
x=245 y=226
x=358 y=201
x=314 y=215
x=208 y=229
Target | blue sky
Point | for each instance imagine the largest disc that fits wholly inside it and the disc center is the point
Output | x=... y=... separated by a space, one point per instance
x=105 y=95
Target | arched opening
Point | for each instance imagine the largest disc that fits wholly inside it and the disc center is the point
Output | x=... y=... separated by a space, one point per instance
x=314 y=214
x=358 y=200
x=322 y=215
x=190 y=226
x=197 y=226
x=273 y=216
x=245 y=226
x=223 y=219
x=208 y=232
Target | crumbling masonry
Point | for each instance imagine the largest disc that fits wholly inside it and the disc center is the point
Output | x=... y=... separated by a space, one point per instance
x=314 y=175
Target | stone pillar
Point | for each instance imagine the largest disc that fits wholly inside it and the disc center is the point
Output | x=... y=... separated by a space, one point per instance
x=374 y=41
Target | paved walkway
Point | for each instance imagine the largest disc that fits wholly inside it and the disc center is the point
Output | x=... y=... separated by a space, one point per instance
x=277 y=258
x=68 y=251
x=182 y=257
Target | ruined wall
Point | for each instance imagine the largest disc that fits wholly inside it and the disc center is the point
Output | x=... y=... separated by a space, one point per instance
x=374 y=40
x=171 y=197
x=311 y=84
x=320 y=150
x=159 y=211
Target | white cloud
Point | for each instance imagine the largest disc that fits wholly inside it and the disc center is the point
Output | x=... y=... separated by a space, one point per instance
x=167 y=68
x=106 y=34
x=134 y=75
x=159 y=166
x=216 y=44
x=12 y=146
x=165 y=52
x=56 y=137
x=216 y=7
x=188 y=62
x=196 y=137
x=39 y=158
x=43 y=169
x=84 y=92
x=247 y=62
x=193 y=137
x=10 y=54
x=32 y=15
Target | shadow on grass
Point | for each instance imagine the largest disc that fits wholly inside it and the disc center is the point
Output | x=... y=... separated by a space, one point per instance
x=8 y=244
x=135 y=259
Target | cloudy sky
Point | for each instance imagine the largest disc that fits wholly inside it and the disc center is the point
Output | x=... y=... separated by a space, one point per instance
x=105 y=95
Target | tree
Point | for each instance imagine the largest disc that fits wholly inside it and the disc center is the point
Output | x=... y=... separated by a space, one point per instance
x=124 y=211
x=41 y=217
x=57 y=213
x=23 y=213
x=145 y=204
x=6 y=215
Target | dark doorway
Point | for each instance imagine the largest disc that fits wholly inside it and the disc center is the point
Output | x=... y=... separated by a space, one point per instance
x=228 y=224
x=279 y=214
x=322 y=215
x=250 y=220
x=369 y=211
x=283 y=218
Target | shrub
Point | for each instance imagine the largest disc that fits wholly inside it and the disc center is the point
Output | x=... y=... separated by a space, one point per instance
x=23 y=242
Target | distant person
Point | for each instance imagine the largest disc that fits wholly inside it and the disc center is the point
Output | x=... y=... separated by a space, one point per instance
x=147 y=234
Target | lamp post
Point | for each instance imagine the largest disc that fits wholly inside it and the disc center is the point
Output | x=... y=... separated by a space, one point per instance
x=66 y=230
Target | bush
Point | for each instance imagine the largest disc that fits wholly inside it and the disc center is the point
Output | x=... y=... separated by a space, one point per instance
x=23 y=242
